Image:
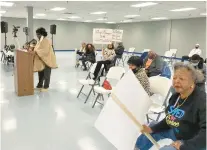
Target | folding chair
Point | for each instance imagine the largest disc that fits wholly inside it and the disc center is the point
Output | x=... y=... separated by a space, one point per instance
x=115 y=73
x=168 y=57
x=166 y=72
x=89 y=81
x=130 y=53
x=118 y=60
x=174 y=52
x=165 y=90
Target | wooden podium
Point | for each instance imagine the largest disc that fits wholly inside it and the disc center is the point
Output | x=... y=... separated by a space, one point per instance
x=23 y=73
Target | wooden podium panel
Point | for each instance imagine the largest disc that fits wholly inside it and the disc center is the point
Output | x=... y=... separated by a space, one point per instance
x=23 y=73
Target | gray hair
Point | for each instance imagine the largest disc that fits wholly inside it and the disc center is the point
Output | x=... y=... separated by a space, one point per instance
x=197 y=75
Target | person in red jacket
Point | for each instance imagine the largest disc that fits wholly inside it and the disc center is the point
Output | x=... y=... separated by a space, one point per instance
x=185 y=120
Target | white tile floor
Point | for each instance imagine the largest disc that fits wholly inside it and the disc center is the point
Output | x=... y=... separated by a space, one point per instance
x=55 y=120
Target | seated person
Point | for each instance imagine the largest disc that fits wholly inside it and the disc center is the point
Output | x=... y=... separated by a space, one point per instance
x=89 y=55
x=119 y=51
x=153 y=64
x=136 y=65
x=198 y=63
x=108 y=58
x=80 y=53
x=196 y=50
x=185 y=120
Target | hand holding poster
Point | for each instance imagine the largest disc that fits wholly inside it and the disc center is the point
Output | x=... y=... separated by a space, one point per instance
x=124 y=112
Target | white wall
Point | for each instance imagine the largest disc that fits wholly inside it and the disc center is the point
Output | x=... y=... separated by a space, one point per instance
x=69 y=35
x=155 y=35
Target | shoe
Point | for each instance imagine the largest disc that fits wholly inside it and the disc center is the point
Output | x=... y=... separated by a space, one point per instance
x=37 y=88
x=77 y=65
x=43 y=90
x=84 y=69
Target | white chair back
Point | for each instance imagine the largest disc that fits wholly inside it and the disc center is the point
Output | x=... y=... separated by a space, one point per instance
x=168 y=54
x=160 y=85
x=174 y=51
x=115 y=73
x=146 y=50
x=93 y=67
x=131 y=50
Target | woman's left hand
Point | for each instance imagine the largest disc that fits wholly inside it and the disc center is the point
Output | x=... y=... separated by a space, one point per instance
x=177 y=144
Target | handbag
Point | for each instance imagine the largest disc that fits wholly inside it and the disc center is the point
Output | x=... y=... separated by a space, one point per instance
x=107 y=85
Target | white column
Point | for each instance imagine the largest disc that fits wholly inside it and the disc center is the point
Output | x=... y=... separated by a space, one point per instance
x=30 y=22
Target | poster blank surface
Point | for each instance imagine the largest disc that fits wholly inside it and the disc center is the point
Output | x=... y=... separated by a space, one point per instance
x=113 y=123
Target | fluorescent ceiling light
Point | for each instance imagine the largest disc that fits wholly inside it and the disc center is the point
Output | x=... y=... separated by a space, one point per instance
x=159 y=18
x=131 y=16
x=203 y=14
x=6 y=4
x=101 y=19
x=144 y=4
x=88 y=21
x=126 y=21
x=98 y=13
x=61 y=19
x=40 y=15
x=2 y=11
x=73 y=17
x=183 y=9
x=58 y=9
x=110 y=22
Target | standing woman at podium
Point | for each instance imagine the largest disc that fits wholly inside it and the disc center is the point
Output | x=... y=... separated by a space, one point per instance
x=44 y=59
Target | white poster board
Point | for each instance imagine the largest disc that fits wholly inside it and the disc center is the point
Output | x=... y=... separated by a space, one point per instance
x=113 y=123
x=117 y=35
x=102 y=36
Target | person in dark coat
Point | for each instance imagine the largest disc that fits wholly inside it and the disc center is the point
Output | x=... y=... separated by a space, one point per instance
x=119 y=51
x=89 y=55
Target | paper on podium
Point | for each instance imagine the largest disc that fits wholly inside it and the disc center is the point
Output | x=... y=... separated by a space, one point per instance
x=114 y=123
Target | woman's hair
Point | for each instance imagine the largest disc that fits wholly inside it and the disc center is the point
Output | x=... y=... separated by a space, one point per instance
x=135 y=60
x=112 y=46
x=197 y=76
x=91 y=49
x=200 y=59
x=42 y=31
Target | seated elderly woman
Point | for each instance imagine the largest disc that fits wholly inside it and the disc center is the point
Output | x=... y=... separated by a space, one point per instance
x=136 y=65
x=108 y=57
x=185 y=120
x=153 y=64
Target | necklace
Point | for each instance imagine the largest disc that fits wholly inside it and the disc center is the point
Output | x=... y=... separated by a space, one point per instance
x=179 y=105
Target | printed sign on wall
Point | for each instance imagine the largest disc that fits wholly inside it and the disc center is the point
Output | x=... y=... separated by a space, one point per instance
x=106 y=36
x=102 y=36
x=117 y=35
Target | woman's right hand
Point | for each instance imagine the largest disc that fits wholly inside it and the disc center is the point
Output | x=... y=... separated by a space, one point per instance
x=146 y=129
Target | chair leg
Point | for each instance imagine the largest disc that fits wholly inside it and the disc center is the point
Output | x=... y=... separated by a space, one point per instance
x=122 y=61
x=102 y=97
x=80 y=91
x=147 y=118
x=88 y=95
x=158 y=117
x=96 y=100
